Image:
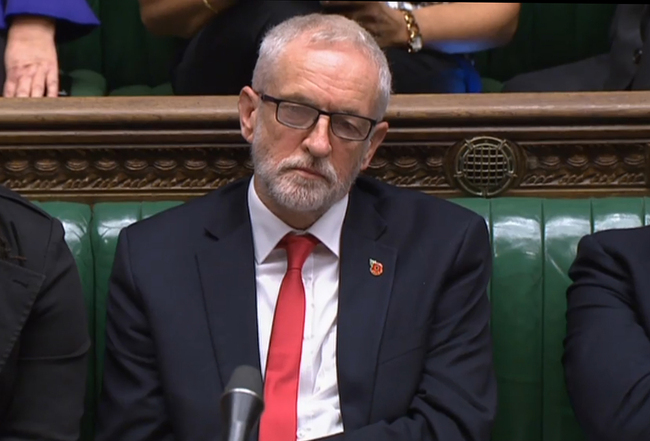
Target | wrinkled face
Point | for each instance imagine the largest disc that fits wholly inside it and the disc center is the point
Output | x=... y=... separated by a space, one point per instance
x=308 y=170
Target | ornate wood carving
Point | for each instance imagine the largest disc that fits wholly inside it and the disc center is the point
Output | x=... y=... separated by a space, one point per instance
x=109 y=172
x=176 y=147
x=587 y=166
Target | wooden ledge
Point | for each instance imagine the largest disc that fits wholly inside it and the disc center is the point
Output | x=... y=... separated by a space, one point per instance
x=440 y=110
x=565 y=145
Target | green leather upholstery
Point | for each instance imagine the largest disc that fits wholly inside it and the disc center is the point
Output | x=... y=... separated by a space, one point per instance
x=120 y=57
x=132 y=56
x=82 y=60
x=128 y=60
x=534 y=243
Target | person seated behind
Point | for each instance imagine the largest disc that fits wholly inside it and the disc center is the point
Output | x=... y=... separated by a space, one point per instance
x=607 y=346
x=386 y=334
x=44 y=338
x=622 y=68
x=30 y=67
x=224 y=37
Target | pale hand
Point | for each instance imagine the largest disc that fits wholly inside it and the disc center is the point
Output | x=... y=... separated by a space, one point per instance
x=384 y=23
x=30 y=58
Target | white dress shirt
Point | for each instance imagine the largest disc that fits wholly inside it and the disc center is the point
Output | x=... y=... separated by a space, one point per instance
x=319 y=408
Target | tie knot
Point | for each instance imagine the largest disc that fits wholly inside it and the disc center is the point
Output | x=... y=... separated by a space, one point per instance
x=298 y=249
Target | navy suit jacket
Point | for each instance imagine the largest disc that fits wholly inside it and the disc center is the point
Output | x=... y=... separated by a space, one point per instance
x=607 y=347
x=414 y=354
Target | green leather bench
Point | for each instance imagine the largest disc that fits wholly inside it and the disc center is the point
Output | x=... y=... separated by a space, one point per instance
x=123 y=58
x=120 y=57
x=534 y=242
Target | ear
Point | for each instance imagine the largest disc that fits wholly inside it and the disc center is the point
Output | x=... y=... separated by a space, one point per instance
x=247 y=105
x=375 y=141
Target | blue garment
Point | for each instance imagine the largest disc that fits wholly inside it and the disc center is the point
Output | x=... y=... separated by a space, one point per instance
x=74 y=18
x=471 y=76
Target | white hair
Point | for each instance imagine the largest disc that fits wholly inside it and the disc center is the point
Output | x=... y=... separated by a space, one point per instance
x=321 y=28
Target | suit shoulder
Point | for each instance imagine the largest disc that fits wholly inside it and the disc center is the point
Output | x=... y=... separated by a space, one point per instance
x=182 y=216
x=623 y=241
x=401 y=201
x=186 y=219
x=613 y=258
x=27 y=230
x=15 y=208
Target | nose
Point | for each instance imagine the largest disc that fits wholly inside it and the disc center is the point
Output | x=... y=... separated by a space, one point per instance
x=318 y=141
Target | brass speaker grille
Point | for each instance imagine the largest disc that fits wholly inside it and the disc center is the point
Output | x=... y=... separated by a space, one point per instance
x=485 y=166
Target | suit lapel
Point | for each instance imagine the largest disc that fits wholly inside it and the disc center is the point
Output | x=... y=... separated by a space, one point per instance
x=363 y=304
x=227 y=271
x=18 y=290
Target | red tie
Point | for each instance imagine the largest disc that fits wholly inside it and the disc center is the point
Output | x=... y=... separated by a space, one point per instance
x=280 y=421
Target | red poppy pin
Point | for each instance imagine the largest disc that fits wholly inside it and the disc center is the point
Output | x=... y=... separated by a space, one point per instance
x=376 y=268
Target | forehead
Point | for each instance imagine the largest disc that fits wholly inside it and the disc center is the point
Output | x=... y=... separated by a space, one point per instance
x=335 y=77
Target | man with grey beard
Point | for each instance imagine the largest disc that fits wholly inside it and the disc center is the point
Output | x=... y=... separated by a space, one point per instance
x=364 y=306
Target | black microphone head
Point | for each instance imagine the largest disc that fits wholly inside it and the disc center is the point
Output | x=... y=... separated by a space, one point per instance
x=242 y=403
x=246 y=378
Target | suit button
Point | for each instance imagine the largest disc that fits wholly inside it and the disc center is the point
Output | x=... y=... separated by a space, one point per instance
x=637 y=56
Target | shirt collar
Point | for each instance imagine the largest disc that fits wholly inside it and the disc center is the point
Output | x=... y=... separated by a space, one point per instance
x=268 y=229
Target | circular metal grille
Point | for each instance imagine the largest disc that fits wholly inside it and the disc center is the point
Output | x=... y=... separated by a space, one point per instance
x=485 y=166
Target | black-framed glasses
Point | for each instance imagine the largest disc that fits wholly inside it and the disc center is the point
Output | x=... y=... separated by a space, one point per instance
x=303 y=116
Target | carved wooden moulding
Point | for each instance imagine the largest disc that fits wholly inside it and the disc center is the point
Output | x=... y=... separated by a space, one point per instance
x=484 y=166
x=488 y=166
x=127 y=172
x=566 y=145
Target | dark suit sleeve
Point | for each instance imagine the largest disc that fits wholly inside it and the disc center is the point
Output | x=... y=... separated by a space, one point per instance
x=131 y=406
x=456 y=398
x=48 y=397
x=607 y=352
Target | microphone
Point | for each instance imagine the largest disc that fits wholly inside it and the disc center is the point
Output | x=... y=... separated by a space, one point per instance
x=242 y=403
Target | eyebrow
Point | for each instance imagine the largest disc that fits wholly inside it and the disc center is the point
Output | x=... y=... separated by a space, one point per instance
x=300 y=99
